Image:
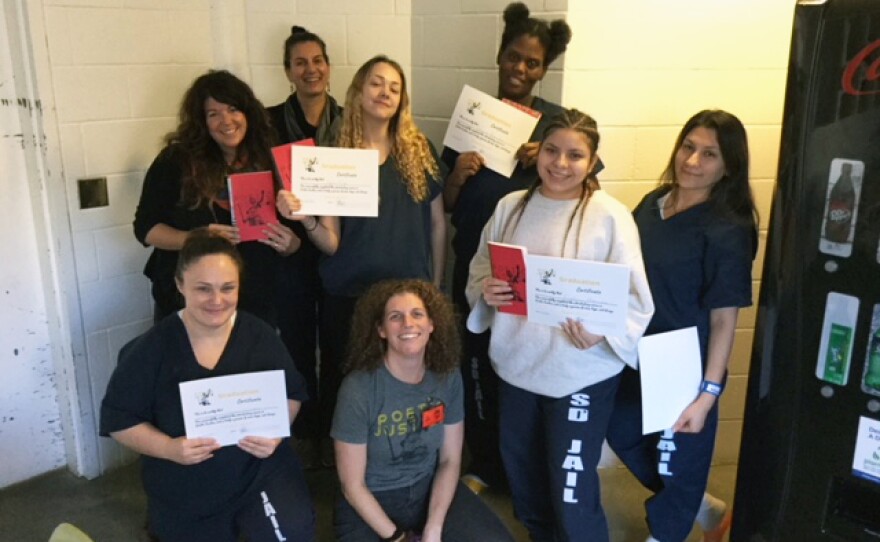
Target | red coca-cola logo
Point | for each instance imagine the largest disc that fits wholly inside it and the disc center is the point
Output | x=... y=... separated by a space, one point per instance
x=872 y=70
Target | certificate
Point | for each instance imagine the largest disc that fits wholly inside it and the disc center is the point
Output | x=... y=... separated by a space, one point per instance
x=671 y=373
x=228 y=408
x=335 y=182
x=594 y=293
x=491 y=127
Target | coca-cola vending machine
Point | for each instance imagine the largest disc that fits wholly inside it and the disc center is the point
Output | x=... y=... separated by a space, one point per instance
x=810 y=457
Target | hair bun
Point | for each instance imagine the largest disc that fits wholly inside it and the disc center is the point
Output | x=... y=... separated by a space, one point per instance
x=515 y=12
x=560 y=33
x=294 y=30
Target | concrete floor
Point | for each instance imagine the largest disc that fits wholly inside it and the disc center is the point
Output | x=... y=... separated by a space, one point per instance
x=112 y=507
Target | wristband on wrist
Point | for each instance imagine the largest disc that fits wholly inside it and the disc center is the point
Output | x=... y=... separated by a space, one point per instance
x=394 y=536
x=712 y=388
x=314 y=226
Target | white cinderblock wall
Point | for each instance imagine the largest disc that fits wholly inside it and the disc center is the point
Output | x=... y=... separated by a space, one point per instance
x=116 y=70
x=641 y=68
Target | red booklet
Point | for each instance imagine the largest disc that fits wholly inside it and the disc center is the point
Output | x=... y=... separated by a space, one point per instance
x=509 y=265
x=281 y=154
x=252 y=203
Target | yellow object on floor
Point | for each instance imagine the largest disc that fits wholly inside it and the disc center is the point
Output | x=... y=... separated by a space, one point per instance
x=66 y=532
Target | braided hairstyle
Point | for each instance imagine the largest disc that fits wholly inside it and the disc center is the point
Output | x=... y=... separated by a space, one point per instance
x=569 y=119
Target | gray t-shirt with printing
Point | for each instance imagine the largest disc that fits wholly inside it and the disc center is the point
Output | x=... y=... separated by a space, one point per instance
x=378 y=410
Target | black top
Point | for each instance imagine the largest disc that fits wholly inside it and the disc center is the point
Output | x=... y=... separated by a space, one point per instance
x=300 y=269
x=394 y=245
x=160 y=203
x=144 y=388
x=696 y=261
x=480 y=194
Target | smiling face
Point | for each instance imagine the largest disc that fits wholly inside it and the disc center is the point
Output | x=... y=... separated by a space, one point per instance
x=209 y=287
x=698 y=162
x=564 y=161
x=227 y=126
x=380 y=96
x=309 y=71
x=520 y=66
x=406 y=326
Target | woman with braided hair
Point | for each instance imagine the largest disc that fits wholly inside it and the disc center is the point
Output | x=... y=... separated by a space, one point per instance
x=528 y=47
x=558 y=383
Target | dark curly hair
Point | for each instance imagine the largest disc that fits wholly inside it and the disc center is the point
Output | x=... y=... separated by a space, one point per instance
x=205 y=169
x=299 y=35
x=367 y=350
x=553 y=36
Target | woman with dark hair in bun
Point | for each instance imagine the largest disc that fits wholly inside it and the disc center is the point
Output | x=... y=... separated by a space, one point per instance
x=528 y=47
x=307 y=113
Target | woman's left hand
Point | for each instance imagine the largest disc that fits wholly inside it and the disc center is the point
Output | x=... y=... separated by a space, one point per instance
x=281 y=239
x=578 y=334
x=260 y=447
x=527 y=154
x=693 y=418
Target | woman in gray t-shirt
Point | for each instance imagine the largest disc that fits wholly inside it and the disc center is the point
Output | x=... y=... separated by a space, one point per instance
x=398 y=427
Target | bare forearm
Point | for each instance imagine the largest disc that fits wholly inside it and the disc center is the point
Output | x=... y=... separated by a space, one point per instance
x=442 y=493
x=721 y=333
x=166 y=237
x=144 y=439
x=452 y=190
x=324 y=233
x=368 y=508
x=438 y=241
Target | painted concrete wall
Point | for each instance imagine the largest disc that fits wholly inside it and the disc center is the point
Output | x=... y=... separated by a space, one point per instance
x=31 y=439
x=641 y=68
x=117 y=69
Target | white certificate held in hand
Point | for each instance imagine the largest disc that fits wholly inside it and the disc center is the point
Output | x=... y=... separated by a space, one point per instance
x=335 y=182
x=594 y=293
x=491 y=127
x=229 y=408
x=671 y=371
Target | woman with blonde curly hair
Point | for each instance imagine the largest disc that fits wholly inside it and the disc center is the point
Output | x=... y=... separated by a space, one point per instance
x=408 y=237
x=398 y=426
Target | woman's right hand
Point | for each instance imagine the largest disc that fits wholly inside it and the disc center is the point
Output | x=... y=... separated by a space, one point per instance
x=190 y=451
x=227 y=231
x=288 y=205
x=497 y=292
x=466 y=166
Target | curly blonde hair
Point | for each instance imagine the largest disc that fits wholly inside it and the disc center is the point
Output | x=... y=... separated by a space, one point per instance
x=410 y=148
x=366 y=350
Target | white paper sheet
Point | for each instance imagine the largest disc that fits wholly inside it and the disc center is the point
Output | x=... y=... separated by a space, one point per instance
x=228 y=408
x=495 y=129
x=671 y=372
x=595 y=293
x=335 y=182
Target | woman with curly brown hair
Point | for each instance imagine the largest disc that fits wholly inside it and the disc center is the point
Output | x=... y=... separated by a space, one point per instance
x=222 y=129
x=398 y=425
x=408 y=237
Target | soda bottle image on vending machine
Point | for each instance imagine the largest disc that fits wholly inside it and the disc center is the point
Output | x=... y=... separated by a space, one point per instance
x=841 y=207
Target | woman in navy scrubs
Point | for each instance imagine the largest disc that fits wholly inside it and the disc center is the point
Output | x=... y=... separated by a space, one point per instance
x=698 y=232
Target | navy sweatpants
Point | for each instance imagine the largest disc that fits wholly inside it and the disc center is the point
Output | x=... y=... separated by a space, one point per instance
x=480 y=393
x=551 y=447
x=277 y=509
x=674 y=466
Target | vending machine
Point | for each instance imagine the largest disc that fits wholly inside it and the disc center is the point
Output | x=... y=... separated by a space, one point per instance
x=810 y=457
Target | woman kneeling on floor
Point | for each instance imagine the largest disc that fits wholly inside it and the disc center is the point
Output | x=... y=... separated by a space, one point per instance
x=398 y=426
